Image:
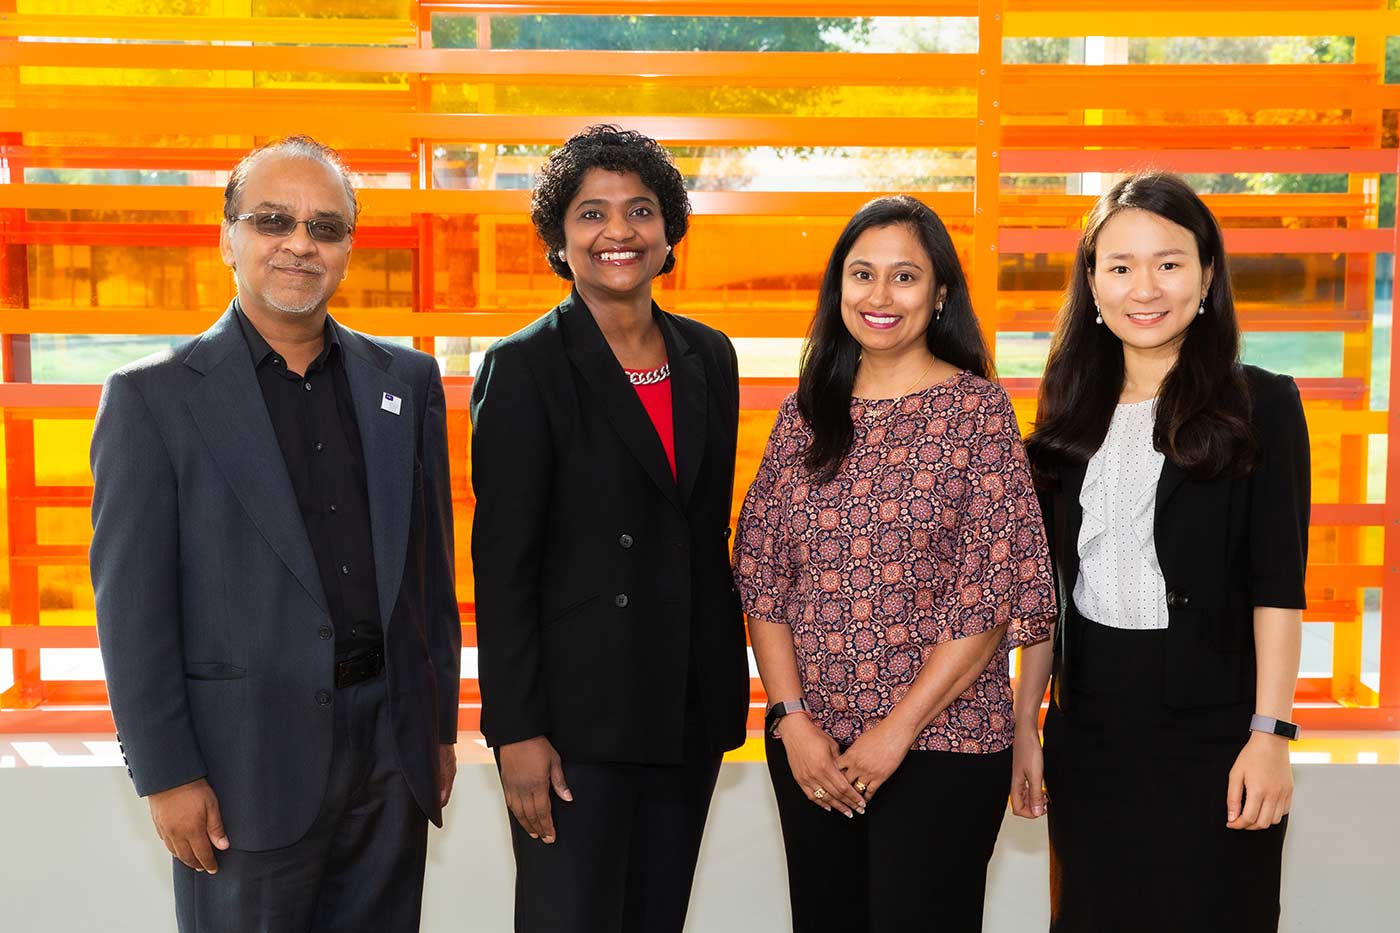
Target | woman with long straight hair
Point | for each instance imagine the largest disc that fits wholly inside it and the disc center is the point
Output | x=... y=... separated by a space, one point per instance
x=1175 y=486
x=889 y=552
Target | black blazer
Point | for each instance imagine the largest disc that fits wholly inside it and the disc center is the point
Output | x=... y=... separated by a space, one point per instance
x=1224 y=545
x=214 y=627
x=598 y=575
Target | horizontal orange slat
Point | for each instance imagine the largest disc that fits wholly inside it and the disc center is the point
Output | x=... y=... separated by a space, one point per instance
x=175 y=102
x=1227 y=22
x=1225 y=206
x=1344 y=575
x=758 y=321
x=397 y=202
x=379 y=129
x=176 y=159
x=1363 y=135
x=1237 y=240
x=1063 y=88
x=712 y=7
x=204 y=235
x=479 y=66
x=1273 y=320
x=1200 y=160
x=290 y=30
x=1370 y=513
x=48 y=636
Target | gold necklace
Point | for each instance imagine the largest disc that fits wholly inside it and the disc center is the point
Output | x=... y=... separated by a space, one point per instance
x=871 y=411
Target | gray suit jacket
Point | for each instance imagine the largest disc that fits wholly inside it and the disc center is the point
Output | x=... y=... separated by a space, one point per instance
x=209 y=605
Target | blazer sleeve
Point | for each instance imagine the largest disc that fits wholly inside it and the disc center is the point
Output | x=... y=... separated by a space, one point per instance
x=444 y=622
x=1281 y=498
x=512 y=469
x=135 y=559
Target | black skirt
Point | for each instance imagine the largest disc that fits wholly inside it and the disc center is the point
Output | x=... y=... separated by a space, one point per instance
x=1138 y=798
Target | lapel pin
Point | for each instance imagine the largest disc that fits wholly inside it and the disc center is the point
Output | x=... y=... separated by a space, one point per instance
x=391 y=403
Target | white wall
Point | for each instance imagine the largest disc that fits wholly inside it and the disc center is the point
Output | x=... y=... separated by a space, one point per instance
x=77 y=854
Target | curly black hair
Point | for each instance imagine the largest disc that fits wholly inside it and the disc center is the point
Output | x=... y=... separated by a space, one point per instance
x=616 y=150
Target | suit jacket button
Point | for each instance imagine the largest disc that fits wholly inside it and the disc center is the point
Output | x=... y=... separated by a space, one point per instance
x=625 y=540
x=325 y=632
x=323 y=697
x=727 y=533
x=620 y=600
x=1177 y=600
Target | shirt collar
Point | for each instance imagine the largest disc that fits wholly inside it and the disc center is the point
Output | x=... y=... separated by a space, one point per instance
x=261 y=350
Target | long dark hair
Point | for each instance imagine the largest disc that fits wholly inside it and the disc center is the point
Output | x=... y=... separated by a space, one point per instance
x=830 y=354
x=1202 y=411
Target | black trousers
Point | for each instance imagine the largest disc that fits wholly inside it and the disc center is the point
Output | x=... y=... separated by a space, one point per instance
x=359 y=869
x=1137 y=802
x=916 y=861
x=625 y=850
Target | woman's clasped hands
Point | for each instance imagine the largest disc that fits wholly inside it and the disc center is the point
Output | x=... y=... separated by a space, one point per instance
x=813 y=755
x=836 y=780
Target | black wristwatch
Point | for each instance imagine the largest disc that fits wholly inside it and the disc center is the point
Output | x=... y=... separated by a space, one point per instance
x=777 y=711
x=1271 y=726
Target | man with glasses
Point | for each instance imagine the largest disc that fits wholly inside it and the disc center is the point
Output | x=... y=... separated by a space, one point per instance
x=272 y=557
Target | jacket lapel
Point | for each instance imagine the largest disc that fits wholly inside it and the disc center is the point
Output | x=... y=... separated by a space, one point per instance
x=1071 y=485
x=594 y=359
x=388 y=442
x=230 y=414
x=1167 y=484
x=689 y=403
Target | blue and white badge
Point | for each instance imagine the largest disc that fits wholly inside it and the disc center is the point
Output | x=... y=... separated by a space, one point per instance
x=391 y=403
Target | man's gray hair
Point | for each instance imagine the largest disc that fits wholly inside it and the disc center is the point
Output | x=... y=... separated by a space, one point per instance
x=299 y=147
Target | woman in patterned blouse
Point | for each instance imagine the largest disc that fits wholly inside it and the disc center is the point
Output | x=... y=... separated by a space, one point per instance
x=889 y=553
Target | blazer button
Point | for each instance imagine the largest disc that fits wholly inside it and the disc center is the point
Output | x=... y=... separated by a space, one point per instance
x=727 y=533
x=620 y=600
x=325 y=632
x=625 y=540
x=1176 y=600
x=323 y=697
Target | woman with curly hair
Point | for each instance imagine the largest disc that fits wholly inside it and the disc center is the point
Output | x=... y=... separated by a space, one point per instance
x=611 y=645
x=889 y=554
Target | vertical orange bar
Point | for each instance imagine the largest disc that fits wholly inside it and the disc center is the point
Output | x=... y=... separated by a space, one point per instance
x=987 y=185
x=1353 y=454
x=1390 y=590
x=28 y=689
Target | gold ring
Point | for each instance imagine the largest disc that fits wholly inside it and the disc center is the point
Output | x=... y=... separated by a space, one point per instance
x=860 y=786
x=819 y=794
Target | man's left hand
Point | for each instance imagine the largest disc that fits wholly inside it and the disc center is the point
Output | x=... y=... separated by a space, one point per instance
x=447 y=772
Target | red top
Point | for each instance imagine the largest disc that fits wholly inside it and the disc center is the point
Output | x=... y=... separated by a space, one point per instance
x=656 y=399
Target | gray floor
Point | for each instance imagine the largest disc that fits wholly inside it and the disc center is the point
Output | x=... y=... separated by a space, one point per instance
x=77 y=854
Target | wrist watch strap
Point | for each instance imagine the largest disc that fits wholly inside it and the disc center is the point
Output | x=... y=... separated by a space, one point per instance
x=1272 y=726
x=778 y=710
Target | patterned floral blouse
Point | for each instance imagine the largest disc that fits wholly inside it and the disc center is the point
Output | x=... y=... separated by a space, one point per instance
x=930 y=531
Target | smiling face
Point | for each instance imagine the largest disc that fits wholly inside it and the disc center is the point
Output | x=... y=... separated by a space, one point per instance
x=1148 y=280
x=291 y=274
x=888 y=291
x=614 y=235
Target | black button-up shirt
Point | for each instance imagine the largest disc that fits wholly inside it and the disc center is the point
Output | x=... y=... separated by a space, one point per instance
x=313 y=416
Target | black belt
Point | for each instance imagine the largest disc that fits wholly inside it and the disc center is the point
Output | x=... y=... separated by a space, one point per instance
x=358 y=668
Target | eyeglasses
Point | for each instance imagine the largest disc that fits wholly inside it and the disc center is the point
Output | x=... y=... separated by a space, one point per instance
x=276 y=223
